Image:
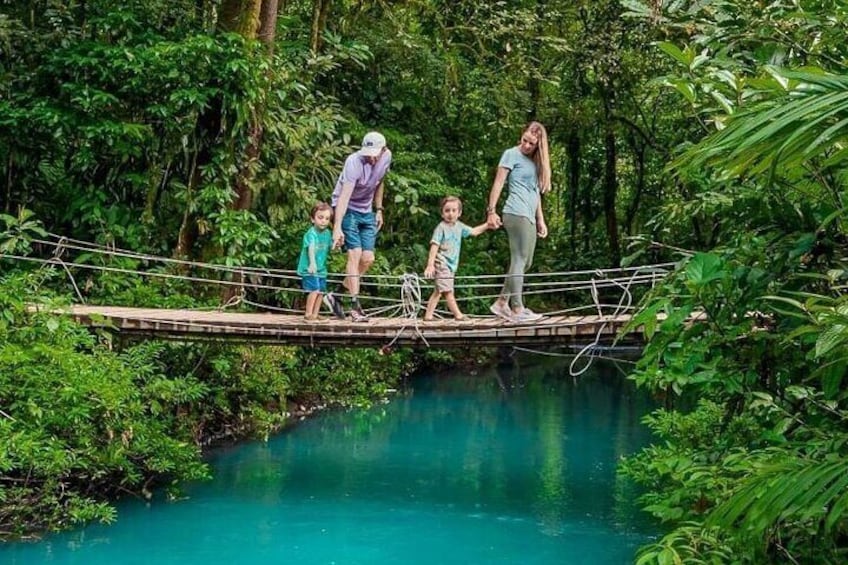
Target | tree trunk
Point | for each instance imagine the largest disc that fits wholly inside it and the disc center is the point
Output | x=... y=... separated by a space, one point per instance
x=10 y=164
x=267 y=30
x=251 y=19
x=572 y=149
x=630 y=217
x=588 y=201
x=610 y=194
x=268 y=23
x=240 y=16
x=320 y=12
x=533 y=84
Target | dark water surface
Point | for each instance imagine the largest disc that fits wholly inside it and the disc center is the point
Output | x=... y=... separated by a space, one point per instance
x=512 y=465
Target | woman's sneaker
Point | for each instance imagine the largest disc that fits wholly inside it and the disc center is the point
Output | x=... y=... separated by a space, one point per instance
x=501 y=310
x=335 y=305
x=526 y=315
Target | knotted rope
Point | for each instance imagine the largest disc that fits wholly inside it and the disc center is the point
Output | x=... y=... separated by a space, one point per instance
x=410 y=297
x=592 y=347
x=58 y=251
x=235 y=299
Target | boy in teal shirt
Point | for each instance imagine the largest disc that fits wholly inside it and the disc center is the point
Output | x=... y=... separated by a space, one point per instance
x=444 y=256
x=312 y=265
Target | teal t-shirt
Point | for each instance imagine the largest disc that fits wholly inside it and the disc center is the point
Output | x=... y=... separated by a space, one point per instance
x=523 y=184
x=322 y=240
x=449 y=239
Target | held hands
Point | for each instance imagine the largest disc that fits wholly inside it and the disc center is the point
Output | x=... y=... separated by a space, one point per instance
x=493 y=221
x=338 y=238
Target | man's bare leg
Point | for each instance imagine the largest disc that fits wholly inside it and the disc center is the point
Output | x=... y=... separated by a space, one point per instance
x=351 y=282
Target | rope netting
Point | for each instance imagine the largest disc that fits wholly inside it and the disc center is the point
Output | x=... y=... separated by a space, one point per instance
x=605 y=292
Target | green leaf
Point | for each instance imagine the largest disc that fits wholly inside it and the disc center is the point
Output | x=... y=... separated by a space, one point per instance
x=686 y=88
x=831 y=377
x=703 y=268
x=726 y=104
x=672 y=50
x=830 y=338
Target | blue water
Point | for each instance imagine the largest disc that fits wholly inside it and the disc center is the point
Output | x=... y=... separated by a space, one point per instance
x=512 y=465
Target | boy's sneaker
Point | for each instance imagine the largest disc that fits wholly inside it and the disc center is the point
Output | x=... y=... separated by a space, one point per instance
x=357 y=315
x=335 y=305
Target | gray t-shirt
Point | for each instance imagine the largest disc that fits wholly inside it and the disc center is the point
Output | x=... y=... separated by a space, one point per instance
x=522 y=182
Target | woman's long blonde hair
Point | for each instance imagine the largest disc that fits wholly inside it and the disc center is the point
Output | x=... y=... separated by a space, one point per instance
x=541 y=156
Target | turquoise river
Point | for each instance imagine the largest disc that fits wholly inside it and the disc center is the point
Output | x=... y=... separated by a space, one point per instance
x=514 y=464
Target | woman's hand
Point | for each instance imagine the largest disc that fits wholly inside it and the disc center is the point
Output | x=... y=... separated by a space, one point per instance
x=542 y=229
x=429 y=271
x=493 y=220
x=378 y=216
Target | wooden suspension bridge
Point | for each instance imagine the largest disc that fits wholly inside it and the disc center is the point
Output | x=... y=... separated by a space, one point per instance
x=290 y=329
x=393 y=325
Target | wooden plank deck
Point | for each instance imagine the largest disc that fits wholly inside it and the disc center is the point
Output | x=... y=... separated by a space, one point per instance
x=377 y=332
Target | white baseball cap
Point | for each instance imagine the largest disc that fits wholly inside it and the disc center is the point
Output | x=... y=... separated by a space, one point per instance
x=372 y=144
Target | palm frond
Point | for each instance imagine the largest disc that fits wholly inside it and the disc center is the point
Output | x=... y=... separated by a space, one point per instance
x=789 y=128
x=798 y=490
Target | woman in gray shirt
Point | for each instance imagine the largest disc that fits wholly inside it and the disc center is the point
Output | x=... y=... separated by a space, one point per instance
x=526 y=169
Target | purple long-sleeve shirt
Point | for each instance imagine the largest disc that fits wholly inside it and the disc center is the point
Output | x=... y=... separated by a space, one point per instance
x=365 y=179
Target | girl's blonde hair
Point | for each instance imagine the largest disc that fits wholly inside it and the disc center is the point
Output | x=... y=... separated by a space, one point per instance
x=541 y=156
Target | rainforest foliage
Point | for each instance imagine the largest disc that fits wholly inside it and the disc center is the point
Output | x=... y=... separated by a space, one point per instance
x=708 y=132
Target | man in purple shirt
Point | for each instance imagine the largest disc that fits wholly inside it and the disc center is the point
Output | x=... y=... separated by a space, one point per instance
x=358 y=203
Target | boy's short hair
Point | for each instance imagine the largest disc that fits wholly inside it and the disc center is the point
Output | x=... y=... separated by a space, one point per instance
x=447 y=199
x=320 y=207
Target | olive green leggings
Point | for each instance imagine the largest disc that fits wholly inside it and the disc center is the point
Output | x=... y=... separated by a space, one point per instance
x=522 y=244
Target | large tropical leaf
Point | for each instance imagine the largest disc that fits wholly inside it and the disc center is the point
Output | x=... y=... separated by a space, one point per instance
x=796 y=490
x=804 y=117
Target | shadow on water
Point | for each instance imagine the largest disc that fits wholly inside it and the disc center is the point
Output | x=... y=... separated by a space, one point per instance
x=515 y=464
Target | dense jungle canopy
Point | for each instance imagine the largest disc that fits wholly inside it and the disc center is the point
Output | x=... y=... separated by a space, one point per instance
x=709 y=132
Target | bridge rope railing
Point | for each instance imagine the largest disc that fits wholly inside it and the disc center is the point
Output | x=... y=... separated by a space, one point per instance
x=400 y=295
x=255 y=278
x=394 y=302
x=70 y=243
x=286 y=274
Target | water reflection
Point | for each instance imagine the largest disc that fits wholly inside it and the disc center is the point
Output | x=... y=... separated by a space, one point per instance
x=514 y=464
x=519 y=441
